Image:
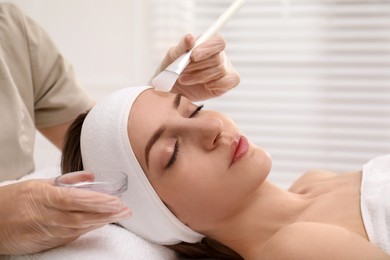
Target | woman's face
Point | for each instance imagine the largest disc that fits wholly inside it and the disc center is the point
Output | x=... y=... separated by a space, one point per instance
x=197 y=161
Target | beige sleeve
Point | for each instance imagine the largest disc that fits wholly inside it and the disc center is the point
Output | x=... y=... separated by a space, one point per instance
x=58 y=96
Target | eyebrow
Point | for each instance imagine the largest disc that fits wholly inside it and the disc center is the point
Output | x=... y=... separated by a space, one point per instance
x=176 y=101
x=159 y=132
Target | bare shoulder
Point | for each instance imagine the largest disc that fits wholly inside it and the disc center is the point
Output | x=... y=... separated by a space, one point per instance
x=311 y=177
x=307 y=240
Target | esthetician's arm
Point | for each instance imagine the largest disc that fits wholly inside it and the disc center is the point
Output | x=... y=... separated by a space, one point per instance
x=56 y=134
x=209 y=74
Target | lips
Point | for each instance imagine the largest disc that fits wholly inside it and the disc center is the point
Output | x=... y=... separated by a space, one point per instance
x=239 y=148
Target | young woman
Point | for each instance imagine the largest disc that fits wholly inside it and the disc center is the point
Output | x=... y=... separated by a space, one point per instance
x=198 y=185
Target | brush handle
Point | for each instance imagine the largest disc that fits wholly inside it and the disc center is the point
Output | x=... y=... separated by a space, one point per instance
x=220 y=22
x=181 y=63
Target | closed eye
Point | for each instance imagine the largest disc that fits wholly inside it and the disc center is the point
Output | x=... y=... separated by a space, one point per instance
x=196 y=111
x=174 y=155
x=176 y=148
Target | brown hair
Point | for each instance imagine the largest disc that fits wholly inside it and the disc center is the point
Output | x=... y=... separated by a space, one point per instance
x=71 y=161
x=207 y=248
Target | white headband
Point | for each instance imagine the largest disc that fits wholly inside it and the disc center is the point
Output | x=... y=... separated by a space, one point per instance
x=105 y=145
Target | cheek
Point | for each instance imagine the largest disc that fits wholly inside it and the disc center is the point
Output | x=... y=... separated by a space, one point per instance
x=191 y=185
x=192 y=178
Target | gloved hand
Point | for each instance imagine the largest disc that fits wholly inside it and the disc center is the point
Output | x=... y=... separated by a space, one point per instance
x=209 y=74
x=35 y=215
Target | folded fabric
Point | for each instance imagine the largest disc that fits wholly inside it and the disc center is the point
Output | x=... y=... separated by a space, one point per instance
x=109 y=242
x=375 y=201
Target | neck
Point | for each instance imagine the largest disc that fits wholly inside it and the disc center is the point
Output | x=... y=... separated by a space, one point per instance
x=264 y=213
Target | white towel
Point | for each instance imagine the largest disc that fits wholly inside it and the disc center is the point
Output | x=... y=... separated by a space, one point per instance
x=109 y=242
x=375 y=201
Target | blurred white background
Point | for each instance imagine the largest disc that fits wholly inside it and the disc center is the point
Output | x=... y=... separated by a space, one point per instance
x=315 y=87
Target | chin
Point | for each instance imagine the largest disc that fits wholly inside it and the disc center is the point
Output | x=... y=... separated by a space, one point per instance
x=263 y=159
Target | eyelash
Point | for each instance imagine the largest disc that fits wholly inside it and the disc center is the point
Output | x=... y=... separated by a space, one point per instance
x=176 y=149
x=196 y=110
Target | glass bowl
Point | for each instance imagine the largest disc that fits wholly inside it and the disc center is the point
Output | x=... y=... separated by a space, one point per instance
x=109 y=182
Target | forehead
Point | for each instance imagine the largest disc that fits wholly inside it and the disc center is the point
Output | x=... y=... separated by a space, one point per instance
x=146 y=104
x=146 y=115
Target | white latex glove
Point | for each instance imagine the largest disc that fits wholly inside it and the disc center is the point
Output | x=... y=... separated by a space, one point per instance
x=35 y=215
x=209 y=74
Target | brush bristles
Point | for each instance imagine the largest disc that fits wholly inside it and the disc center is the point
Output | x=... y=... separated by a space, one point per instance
x=165 y=81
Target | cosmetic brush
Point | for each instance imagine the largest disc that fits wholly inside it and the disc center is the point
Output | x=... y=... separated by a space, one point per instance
x=167 y=78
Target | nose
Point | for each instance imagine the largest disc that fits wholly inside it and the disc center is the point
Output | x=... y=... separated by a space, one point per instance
x=206 y=131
